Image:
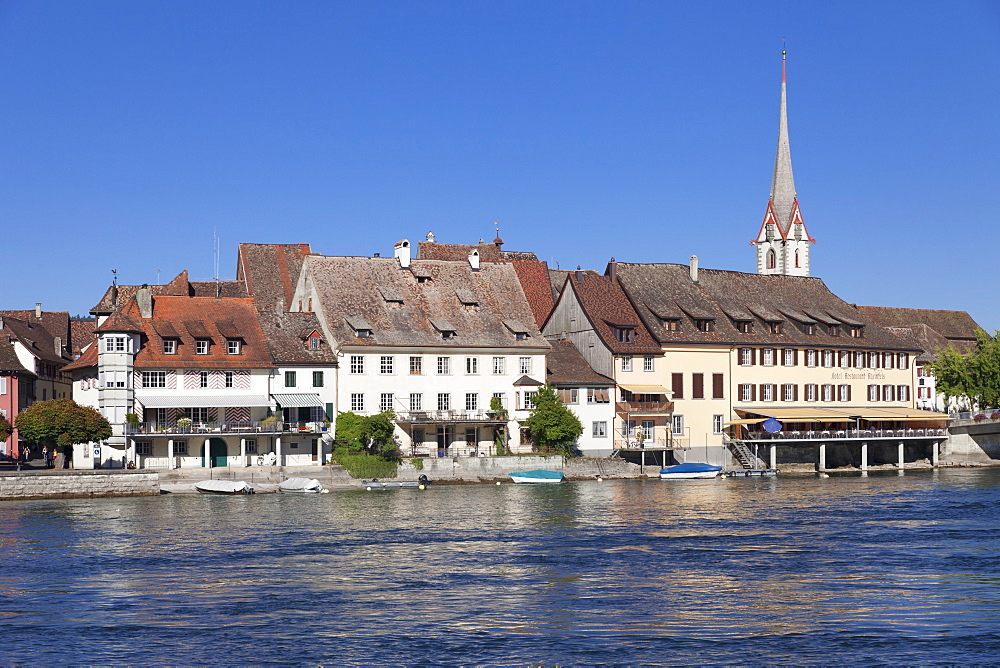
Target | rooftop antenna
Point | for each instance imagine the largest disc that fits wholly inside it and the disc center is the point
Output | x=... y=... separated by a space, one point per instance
x=215 y=253
x=157 y=275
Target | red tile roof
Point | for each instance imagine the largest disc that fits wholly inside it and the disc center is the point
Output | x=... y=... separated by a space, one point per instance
x=608 y=309
x=534 y=278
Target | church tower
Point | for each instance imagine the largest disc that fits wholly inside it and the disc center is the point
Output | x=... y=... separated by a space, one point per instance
x=783 y=242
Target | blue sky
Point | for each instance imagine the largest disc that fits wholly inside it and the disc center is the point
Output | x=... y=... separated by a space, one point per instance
x=131 y=132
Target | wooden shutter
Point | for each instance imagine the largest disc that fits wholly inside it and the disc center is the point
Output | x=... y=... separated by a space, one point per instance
x=753 y=357
x=697 y=386
x=753 y=392
x=795 y=389
x=677 y=385
x=718 y=392
x=795 y=358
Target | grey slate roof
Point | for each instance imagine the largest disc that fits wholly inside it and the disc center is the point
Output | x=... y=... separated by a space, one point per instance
x=931 y=330
x=352 y=287
x=656 y=289
x=565 y=365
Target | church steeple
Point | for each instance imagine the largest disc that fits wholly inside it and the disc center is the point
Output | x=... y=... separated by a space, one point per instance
x=783 y=241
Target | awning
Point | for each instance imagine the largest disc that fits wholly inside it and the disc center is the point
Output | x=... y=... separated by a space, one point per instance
x=747 y=421
x=213 y=400
x=645 y=389
x=842 y=414
x=302 y=400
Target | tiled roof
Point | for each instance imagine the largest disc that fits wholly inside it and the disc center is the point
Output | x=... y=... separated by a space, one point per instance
x=348 y=287
x=287 y=339
x=9 y=363
x=608 y=309
x=557 y=279
x=82 y=334
x=125 y=293
x=36 y=339
x=930 y=329
x=534 y=277
x=87 y=359
x=270 y=272
x=119 y=322
x=565 y=365
x=660 y=290
x=56 y=322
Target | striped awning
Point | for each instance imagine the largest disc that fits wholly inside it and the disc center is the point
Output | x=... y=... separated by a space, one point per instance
x=645 y=389
x=301 y=400
x=213 y=400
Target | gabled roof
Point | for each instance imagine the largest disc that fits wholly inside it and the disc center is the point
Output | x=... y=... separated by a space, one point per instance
x=565 y=365
x=119 y=322
x=117 y=296
x=9 y=362
x=88 y=358
x=655 y=288
x=608 y=308
x=270 y=272
x=36 y=339
x=287 y=337
x=352 y=287
x=932 y=330
x=534 y=278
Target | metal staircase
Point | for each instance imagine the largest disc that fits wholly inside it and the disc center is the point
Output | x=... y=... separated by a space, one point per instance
x=742 y=454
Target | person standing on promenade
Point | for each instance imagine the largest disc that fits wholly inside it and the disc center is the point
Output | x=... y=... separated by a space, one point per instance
x=68 y=456
x=45 y=455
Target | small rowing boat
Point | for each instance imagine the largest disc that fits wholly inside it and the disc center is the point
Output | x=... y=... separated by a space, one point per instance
x=305 y=485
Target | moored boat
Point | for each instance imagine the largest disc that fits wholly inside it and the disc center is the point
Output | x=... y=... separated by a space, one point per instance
x=537 y=476
x=305 y=485
x=375 y=483
x=223 y=487
x=690 y=470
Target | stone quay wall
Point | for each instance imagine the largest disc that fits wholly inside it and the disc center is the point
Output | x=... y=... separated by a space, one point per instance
x=53 y=484
x=490 y=469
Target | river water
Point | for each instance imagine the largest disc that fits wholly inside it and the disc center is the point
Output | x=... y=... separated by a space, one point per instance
x=884 y=569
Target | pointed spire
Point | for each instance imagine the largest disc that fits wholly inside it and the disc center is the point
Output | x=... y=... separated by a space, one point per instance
x=783 y=198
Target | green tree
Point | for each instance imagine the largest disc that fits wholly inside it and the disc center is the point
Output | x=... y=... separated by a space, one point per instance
x=372 y=434
x=500 y=431
x=6 y=428
x=552 y=425
x=61 y=422
x=972 y=378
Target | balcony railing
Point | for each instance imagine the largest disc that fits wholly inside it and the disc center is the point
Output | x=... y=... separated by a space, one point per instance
x=676 y=443
x=644 y=407
x=231 y=427
x=450 y=416
x=844 y=434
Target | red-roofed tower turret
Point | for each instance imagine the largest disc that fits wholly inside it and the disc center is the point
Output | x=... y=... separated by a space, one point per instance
x=783 y=243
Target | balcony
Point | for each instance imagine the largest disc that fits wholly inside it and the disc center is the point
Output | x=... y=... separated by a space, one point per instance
x=644 y=407
x=424 y=417
x=674 y=443
x=845 y=434
x=169 y=429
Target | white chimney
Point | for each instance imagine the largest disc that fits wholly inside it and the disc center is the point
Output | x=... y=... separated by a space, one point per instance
x=144 y=298
x=430 y=237
x=474 y=260
x=38 y=309
x=403 y=253
x=58 y=341
x=694 y=268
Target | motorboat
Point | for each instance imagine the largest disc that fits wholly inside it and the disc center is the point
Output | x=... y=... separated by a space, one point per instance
x=305 y=485
x=375 y=483
x=223 y=487
x=538 y=476
x=689 y=470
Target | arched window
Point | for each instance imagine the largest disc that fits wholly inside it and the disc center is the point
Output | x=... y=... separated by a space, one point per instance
x=771 y=259
x=796 y=259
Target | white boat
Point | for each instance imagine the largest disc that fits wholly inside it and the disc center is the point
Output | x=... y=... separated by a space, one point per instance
x=223 y=487
x=688 y=471
x=306 y=485
x=375 y=483
x=537 y=476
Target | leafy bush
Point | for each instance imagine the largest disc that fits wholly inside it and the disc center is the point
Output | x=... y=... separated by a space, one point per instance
x=367 y=466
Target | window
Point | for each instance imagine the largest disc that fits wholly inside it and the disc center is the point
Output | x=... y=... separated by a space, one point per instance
x=153 y=379
x=746 y=392
x=599 y=429
x=160 y=415
x=904 y=361
x=789 y=392
x=843 y=393
x=788 y=357
x=873 y=393
x=767 y=391
x=774 y=327
x=251 y=444
x=317 y=379
x=169 y=346
x=502 y=397
x=525 y=364
x=529 y=400
x=902 y=393
x=828 y=358
x=471 y=401
x=499 y=366
x=472 y=366
x=671 y=324
x=357 y=402
x=416 y=401
x=647 y=363
x=198 y=414
x=289 y=379
x=859 y=359
x=746 y=356
x=677 y=424
x=114 y=344
x=717 y=424
x=444 y=366
x=845 y=359
x=313 y=343
x=203 y=379
x=385 y=402
x=833 y=330
x=857 y=332
x=697 y=386
x=233 y=346
x=626 y=362
x=705 y=325
x=922 y=371
x=229 y=379
x=180 y=447
x=888 y=360
x=201 y=346
x=416 y=366
x=357 y=364
x=767 y=356
x=827 y=392
x=628 y=428
x=744 y=326
x=677 y=385
x=647 y=430
x=718 y=386
x=385 y=364
x=888 y=393
x=811 y=358
x=598 y=395
x=569 y=395
x=809 y=329
x=625 y=334
x=811 y=391
x=444 y=401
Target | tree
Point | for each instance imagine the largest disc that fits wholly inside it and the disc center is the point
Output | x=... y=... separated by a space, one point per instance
x=552 y=425
x=6 y=428
x=500 y=432
x=973 y=377
x=373 y=434
x=62 y=422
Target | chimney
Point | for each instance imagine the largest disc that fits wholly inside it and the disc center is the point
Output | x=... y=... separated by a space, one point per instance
x=144 y=298
x=403 y=253
x=59 y=350
x=378 y=255
x=38 y=309
x=694 y=268
x=613 y=270
x=579 y=274
x=279 y=306
x=1 y=322
x=430 y=237
x=474 y=260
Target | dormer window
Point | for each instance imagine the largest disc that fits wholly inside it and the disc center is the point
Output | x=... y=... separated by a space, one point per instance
x=744 y=326
x=446 y=329
x=519 y=331
x=774 y=328
x=671 y=324
x=392 y=296
x=313 y=343
x=169 y=346
x=467 y=298
x=704 y=325
x=857 y=332
x=201 y=346
x=833 y=330
x=809 y=328
x=362 y=329
x=625 y=334
x=233 y=346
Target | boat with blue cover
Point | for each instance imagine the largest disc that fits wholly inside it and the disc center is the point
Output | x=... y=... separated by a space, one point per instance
x=537 y=476
x=689 y=470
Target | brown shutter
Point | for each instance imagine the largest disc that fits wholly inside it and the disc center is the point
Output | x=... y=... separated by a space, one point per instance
x=848 y=392
x=753 y=392
x=795 y=357
x=697 y=386
x=753 y=357
x=795 y=390
x=677 y=385
x=718 y=392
